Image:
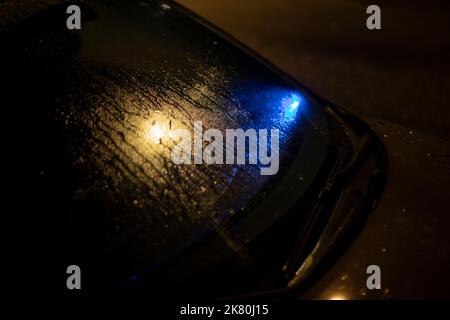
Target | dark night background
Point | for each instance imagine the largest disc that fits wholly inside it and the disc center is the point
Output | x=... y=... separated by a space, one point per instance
x=400 y=73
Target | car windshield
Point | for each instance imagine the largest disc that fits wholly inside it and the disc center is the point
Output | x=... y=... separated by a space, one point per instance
x=101 y=104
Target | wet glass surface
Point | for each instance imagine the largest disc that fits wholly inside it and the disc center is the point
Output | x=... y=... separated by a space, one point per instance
x=102 y=103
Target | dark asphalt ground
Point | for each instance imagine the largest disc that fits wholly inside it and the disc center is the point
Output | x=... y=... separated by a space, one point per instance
x=400 y=73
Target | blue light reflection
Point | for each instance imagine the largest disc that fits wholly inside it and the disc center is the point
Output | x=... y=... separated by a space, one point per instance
x=291 y=105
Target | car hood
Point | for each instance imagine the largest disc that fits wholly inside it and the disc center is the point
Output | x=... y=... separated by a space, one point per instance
x=407 y=235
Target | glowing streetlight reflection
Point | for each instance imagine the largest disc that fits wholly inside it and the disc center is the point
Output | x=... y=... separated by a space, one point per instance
x=156 y=133
x=338 y=297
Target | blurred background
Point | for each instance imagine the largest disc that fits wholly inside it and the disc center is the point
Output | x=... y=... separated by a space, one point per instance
x=400 y=73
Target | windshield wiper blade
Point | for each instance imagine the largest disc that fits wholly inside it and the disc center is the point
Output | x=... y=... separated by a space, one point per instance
x=327 y=197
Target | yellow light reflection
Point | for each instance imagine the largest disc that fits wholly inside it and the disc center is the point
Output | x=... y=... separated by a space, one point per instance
x=338 y=297
x=156 y=133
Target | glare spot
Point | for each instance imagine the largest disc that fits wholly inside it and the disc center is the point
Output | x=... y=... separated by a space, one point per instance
x=156 y=133
x=295 y=104
x=291 y=105
x=165 y=6
x=338 y=297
